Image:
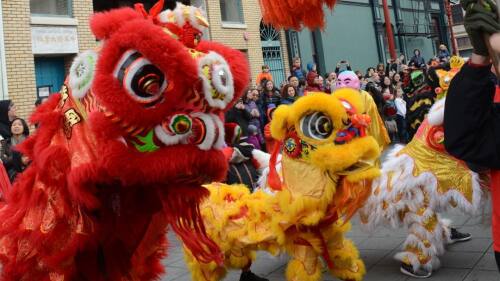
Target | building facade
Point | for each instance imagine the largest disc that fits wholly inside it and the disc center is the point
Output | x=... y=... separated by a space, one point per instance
x=41 y=37
x=238 y=24
x=355 y=31
x=3 y=71
x=463 y=42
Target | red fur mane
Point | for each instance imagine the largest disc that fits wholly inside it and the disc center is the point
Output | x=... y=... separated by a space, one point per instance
x=121 y=153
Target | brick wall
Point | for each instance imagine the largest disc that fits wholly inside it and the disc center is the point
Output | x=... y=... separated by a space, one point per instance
x=18 y=54
x=19 y=58
x=284 y=53
x=234 y=37
x=82 y=11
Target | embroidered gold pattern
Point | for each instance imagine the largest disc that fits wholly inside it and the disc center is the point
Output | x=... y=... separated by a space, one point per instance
x=71 y=118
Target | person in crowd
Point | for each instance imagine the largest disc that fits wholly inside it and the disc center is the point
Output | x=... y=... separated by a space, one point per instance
x=312 y=83
x=239 y=115
x=297 y=70
x=389 y=114
x=359 y=74
x=264 y=75
x=254 y=137
x=342 y=65
x=270 y=141
x=294 y=81
x=250 y=101
x=321 y=83
x=400 y=116
x=331 y=79
x=396 y=81
x=387 y=83
x=405 y=76
x=311 y=67
x=392 y=66
x=471 y=117
x=288 y=94
x=14 y=162
x=443 y=54
x=369 y=72
x=376 y=80
x=417 y=60
x=271 y=95
x=380 y=69
x=7 y=115
x=402 y=59
x=375 y=93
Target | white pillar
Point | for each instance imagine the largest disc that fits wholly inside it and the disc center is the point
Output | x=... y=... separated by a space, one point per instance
x=3 y=70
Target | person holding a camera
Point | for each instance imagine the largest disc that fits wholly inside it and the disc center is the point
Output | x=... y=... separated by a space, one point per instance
x=342 y=65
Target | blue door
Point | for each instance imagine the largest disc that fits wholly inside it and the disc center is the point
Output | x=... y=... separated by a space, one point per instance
x=271 y=52
x=49 y=72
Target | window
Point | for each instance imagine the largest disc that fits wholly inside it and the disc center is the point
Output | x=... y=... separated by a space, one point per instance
x=51 y=7
x=457 y=14
x=231 y=11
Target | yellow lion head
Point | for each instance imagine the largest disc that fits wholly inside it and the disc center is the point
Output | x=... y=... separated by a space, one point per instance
x=328 y=161
x=329 y=132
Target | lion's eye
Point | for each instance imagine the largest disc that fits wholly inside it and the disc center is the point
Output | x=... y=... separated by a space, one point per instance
x=143 y=81
x=316 y=125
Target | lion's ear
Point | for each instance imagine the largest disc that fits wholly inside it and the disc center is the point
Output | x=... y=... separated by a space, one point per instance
x=106 y=23
x=279 y=123
x=350 y=99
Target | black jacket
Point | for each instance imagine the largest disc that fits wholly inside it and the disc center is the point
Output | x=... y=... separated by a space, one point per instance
x=472 y=119
x=240 y=117
x=241 y=169
x=4 y=119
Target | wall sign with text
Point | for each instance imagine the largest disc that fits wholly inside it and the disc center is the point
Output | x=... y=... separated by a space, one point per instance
x=54 y=40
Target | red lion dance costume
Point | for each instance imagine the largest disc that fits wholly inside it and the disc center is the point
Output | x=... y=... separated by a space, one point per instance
x=122 y=152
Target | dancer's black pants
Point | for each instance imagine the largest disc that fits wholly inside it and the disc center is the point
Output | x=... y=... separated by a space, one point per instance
x=497 y=258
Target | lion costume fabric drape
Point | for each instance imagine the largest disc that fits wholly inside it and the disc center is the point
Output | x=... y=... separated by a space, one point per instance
x=123 y=151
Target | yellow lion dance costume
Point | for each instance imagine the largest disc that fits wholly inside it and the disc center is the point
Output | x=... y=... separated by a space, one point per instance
x=327 y=166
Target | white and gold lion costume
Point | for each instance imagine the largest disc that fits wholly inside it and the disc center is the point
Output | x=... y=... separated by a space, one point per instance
x=419 y=181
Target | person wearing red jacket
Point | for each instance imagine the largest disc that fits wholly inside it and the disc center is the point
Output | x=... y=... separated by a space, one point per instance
x=472 y=118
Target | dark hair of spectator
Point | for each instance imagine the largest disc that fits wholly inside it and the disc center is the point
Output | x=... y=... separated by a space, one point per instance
x=284 y=90
x=26 y=128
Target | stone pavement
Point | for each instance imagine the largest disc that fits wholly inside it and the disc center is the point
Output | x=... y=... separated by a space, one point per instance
x=468 y=261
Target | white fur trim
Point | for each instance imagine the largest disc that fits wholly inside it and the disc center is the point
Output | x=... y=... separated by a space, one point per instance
x=179 y=14
x=412 y=258
x=164 y=16
x=210 y=130
x=262 y=182
x=217 y=63
x=436 y=113
x=194 y=21
x=403 y=192
x=166 y=138
x=220 y=142
x=81 y=73
x=262 y=158
x=211 y=122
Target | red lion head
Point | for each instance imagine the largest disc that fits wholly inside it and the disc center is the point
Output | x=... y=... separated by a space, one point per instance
x=137 y=129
